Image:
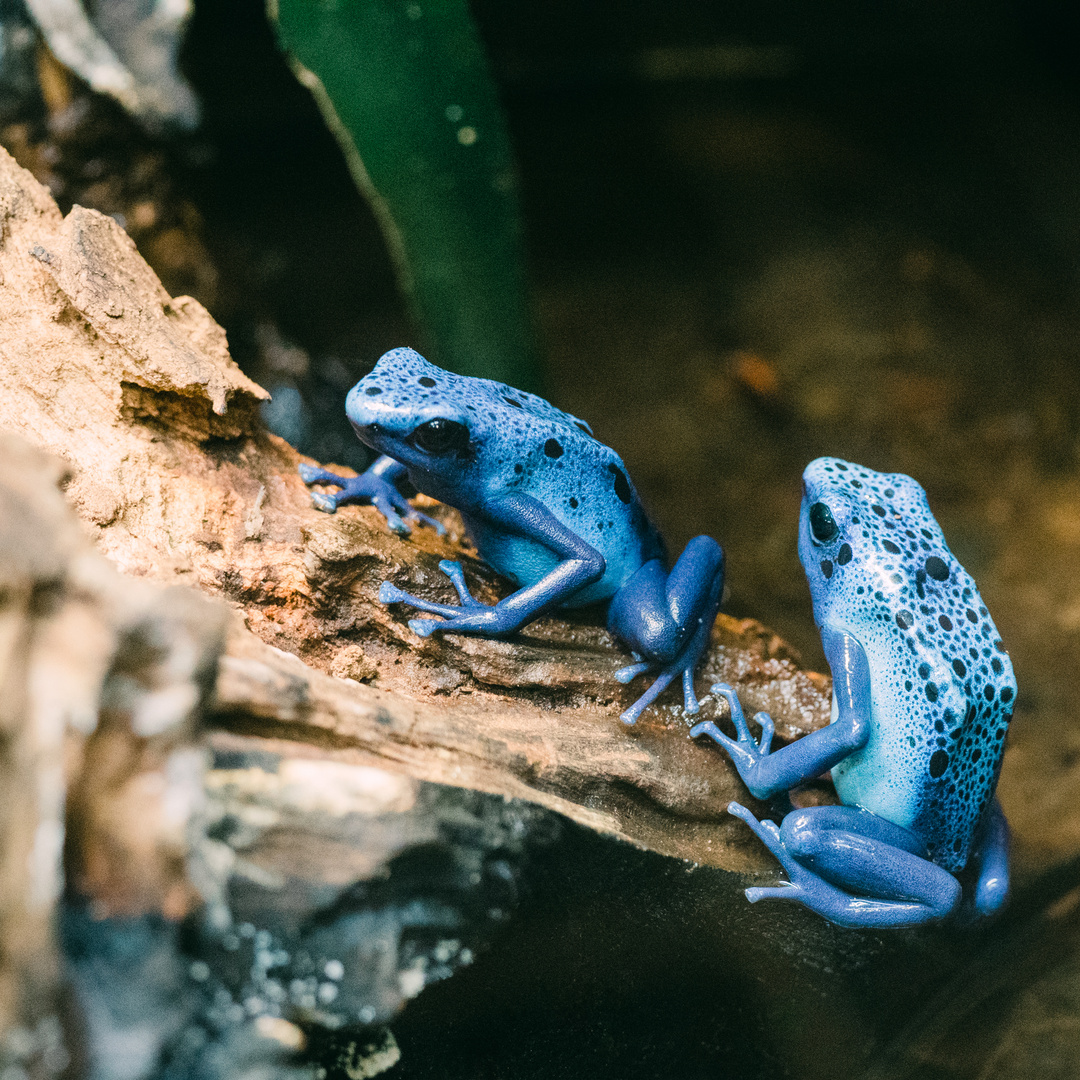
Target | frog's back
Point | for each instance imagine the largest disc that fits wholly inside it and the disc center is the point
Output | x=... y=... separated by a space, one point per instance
x=942 y=684
x=520 y=444
x=553 y=457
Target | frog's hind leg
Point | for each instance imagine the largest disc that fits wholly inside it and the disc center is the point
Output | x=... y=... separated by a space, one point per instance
x=854 y=868
x=667 y=618
x=990 y=860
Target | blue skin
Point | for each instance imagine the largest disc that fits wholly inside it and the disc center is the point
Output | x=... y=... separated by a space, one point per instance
x=545 y=504
x=923 y=692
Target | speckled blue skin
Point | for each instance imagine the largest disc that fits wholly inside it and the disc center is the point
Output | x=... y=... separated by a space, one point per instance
x=545 y=504
x=923 y=691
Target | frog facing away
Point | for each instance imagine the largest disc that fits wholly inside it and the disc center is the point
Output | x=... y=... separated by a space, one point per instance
x=923 y=691
x=546 y=505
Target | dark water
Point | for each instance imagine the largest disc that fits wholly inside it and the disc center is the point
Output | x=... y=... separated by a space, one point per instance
x=863 y=241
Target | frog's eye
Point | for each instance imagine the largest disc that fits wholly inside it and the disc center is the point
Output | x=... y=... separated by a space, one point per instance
x=440 y=436
x=822 y=524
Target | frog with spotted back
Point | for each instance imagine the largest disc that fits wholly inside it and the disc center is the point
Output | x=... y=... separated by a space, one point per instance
x=546 y=505
x=923 y=691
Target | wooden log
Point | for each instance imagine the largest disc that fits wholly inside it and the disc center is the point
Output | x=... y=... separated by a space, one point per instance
x=177 y=481
x=340 y=743
x=102 y=680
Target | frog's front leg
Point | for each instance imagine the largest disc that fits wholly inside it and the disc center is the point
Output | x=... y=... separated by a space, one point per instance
x=854 y=868
x=520 y=516
x=666 y=619
x=376 y=485
x=767 y=774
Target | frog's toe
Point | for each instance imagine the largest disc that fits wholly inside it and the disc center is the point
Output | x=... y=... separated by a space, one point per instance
x=453 y=570
x=740 y=811
x=308 y=473
x=767 y=832
x=690 y=701
x=424 y=627
x=786 y=890
x=389 y=593
x=434 y=523
x=632 y=671
x=768 y=730
x=709 y=727
x=660 y=684
x=326 y=503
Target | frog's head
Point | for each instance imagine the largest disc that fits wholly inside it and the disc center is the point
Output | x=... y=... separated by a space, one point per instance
x=414 y=412
x=867 y=540
x=453 y=431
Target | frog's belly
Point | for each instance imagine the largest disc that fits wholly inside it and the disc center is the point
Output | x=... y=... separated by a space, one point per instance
x=526 y=562
x=894 y=777
x=880 y=777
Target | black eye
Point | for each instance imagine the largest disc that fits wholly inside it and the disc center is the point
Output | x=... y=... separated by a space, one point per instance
x=822 y=524
x=440 y=436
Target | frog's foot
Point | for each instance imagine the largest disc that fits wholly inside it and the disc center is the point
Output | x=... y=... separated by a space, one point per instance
x=768 y=832
x=469 y=617
x=854 y=868
x=682 y=666
x=369 y=487
x=666 y=620
x=746 y=752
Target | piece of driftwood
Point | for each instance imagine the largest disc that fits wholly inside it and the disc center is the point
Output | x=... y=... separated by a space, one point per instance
x=303 y=777
x=102 y=682
x=177 y=482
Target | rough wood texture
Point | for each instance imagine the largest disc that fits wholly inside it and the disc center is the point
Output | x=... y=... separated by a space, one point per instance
x=101 y=681
x=36 y=633
x=169 y=467
x=177 y=482
x=652 y=786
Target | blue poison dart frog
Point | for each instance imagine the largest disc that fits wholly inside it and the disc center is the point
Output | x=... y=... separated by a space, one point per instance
x=546 y=505
x=923 y=691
